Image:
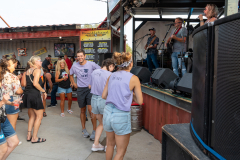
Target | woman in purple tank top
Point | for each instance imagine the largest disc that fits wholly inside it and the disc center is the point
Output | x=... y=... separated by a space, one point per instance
x=121 y=88
x=98 y=81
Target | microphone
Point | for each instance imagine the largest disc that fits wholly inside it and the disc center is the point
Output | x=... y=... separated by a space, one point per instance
x=169 y=24
x=147 y=34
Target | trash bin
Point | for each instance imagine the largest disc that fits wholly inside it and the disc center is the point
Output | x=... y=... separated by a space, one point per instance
x=136 y=117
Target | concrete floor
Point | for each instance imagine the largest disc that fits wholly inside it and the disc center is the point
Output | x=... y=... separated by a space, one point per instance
x=65 y=141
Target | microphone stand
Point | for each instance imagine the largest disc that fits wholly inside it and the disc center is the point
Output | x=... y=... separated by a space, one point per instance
x=138 y=44
x=162 y=44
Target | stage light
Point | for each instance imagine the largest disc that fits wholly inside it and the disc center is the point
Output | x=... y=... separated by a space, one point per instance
x=10 y=39
x=60 y=37
x=138 y=3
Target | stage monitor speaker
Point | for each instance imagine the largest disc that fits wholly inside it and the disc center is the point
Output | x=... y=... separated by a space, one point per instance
x=142 y=73
x=162 y=77
x=215 y=93
x=185 y=84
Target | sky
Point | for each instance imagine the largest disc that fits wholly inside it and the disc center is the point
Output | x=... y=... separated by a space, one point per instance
x=49 y=12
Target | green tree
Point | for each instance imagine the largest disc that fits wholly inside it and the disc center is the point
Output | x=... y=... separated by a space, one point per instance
x=128 y=48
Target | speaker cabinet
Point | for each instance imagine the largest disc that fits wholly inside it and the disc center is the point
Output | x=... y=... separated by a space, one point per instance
x=216 y=88
x=162 y=77
x=185 y=84
x=142 y=73
x=103 y=56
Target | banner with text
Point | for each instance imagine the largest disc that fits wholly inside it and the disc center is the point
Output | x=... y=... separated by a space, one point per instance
x=95 y=42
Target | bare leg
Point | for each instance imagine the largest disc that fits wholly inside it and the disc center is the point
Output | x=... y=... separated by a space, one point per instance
x=44 y=103
x=39 y=116
x=110 y=145
x=93 y=117
x=62 y=97
x=83 y=117
x=12 y=143
x=69 y=96
x=122 y=143
x=3 y=150
x=13 y=119
x=32 y=118
x=99 y=129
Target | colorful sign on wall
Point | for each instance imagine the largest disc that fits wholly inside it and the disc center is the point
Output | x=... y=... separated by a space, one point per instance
x=40 y=51
x=22 y=52
x=95 y=42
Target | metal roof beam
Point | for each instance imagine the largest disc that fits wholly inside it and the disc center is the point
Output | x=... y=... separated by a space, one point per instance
x=163 y=19
x=140 y=26
x=181 y=5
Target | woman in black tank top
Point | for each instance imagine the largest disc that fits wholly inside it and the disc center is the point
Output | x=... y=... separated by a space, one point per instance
x=64 y=85
x=32 y=98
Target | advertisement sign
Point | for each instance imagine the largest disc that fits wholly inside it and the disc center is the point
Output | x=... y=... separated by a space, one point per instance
x=40 y=51
x=95 y=42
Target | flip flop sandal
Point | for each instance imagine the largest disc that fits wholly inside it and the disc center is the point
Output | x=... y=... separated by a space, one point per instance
x=70 y=111
x=44 y=114
x=30 y=138
x=62 y=115
x=40 y=140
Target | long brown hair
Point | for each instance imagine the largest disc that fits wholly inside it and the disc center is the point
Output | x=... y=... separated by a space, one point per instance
x=4 y=64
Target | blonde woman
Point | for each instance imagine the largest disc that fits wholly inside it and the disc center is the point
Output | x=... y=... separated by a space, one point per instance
x=211 y=12
x=32 y=98
x=64 y=85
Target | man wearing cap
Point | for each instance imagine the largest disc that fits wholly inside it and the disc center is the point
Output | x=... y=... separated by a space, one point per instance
x=152 y=51
x=46 y=62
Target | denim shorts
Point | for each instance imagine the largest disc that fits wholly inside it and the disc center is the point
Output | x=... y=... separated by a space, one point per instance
x=98 y=104
x=7 y=131
x=11 y=109
x=63 y=90
x=115 y=120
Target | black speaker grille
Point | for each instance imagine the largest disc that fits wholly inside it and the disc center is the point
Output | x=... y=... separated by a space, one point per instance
x=227 y=72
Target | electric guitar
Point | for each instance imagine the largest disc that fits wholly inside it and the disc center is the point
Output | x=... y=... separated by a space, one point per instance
x=170 y=44
x=147 y=49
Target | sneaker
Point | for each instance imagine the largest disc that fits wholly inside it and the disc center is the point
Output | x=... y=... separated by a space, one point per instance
x=92 y=137
x=85 y=133
x=62 y=115
x=20 y=142
x=99 y=147
x=51 y=105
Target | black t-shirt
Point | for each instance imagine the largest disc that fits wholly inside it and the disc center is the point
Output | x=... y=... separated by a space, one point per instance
x=45 y=64
x=64 y=84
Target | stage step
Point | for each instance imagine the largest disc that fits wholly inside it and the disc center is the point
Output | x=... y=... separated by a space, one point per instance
x=177 y=143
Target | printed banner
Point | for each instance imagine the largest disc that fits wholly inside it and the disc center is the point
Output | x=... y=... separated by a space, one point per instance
x=95 y=42
x=40 y=51
x=95 y=35
x=92 y=49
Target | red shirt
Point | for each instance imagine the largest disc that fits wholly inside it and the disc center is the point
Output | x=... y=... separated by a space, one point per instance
x=69 y=63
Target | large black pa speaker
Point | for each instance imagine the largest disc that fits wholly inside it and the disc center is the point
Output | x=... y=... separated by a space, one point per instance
x=185 y=84
x=162 y=77
x=215 y=123
x=142 y=73
x=103 y=56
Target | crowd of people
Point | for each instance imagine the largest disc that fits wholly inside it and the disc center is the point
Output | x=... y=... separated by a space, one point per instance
x=105 y=94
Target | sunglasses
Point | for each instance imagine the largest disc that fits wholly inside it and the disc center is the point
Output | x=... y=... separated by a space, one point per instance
x=39 y=60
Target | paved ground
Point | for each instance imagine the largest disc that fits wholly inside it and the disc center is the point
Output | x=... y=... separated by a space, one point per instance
x=65 y=141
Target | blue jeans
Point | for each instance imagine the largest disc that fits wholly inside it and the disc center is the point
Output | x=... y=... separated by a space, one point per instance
x=53 y=94
x=150 y=58
x=177 y=62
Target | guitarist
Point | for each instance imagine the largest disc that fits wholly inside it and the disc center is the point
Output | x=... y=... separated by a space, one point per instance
x=151 y=48
x=179 y=45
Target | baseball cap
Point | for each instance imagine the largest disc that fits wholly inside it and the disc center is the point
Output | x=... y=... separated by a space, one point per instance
x=152 y=29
